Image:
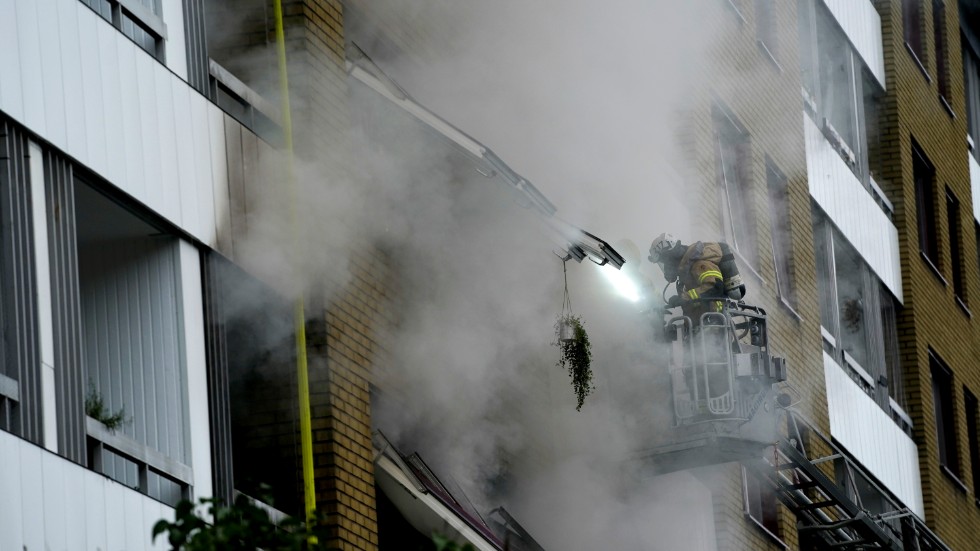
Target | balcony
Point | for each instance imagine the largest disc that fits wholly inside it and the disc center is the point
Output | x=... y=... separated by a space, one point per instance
x=877 y=441
x=862 y=25
x=854 y=209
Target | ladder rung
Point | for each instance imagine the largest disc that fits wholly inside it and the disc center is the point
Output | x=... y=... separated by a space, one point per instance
x=817 y=505
x=800 y=486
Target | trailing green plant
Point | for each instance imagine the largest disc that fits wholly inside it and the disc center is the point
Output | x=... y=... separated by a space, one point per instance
x=575 y=356
x=96 y=409
x=242 y=526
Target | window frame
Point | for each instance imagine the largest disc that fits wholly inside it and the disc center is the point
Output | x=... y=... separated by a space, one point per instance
x=944 y=412
x=765 y=515
x=816 y=21
x=766 y=30
x=939 y=44
x=777 y=186
x=912 y=32
x=880 y=375
x=924 y=177
x=971 y=410
x=734 y=185
x=954 y=226
x=123 y=14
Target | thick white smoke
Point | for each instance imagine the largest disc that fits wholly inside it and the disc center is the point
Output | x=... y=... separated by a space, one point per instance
x=588 y=101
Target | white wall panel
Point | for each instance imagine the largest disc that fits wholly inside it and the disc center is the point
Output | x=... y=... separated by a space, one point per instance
x=48 y=502
x=136 y=537
x=11 y=96
x=71 y=65
x=91 y=93
x=852 y=209
x=53 y=491
x=52 y=72
x=12 y=519
x=76 y=530
x=133 y=130
x=149 y=130
x=974 y=185
x=31 y=492
x=868 y=432
x=203 y=160
x=192 y=301
x=169 y=184
x=862 y=25
x=186 y=163
x=173 y=17
x=112 y=96
x=29 y=44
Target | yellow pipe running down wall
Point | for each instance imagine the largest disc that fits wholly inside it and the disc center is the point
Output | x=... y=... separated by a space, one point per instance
x=299 y=316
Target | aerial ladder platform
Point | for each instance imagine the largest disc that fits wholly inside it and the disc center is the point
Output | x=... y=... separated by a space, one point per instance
x=729 y=400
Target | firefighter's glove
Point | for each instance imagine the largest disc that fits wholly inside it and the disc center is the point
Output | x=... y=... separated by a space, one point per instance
x=674 y=301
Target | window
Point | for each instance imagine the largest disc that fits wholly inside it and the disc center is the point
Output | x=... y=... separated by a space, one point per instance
x=924 y=174
x=781 y=237
x=942 y=401
x=955 y=243
x=912 y=25
x=760 y=503
x=765 y=26
x=732 y=160
x=252 y=382
x=858 y=315
x=939 y=41
x=140 y=20
x=971 y=430
x=132 y=356
x=841 y=94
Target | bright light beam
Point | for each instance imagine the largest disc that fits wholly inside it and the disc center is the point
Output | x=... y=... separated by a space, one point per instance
x=625 y=286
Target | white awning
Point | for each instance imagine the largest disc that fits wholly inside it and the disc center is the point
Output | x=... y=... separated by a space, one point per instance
x=422 y=510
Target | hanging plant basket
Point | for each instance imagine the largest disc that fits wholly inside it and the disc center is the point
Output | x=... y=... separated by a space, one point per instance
x=573 y=343
x=566 y=329
x=575 y=356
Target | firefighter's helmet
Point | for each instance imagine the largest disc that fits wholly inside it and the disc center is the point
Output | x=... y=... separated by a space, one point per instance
x=663 y=243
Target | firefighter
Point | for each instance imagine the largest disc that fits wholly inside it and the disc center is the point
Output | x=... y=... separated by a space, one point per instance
x=696 y=269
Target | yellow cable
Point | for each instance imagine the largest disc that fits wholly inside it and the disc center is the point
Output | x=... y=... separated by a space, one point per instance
x=299 y=316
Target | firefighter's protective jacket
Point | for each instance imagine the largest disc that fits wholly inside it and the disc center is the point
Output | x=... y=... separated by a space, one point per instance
x=700 y=277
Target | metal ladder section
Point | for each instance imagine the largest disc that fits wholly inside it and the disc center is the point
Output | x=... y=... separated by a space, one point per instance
x=849 y=510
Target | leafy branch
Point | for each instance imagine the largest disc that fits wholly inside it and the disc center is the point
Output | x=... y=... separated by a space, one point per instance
x=96 y=409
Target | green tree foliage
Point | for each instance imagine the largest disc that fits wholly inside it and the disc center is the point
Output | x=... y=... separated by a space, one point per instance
x=243 y=526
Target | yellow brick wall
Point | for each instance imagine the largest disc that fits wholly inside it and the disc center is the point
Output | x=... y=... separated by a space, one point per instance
x=931 y=318
x=764 y=96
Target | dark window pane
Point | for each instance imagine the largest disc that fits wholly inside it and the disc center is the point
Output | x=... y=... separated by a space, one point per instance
x=760 y=503
x=765 y=25
x=731 y=151
x=912 y=20
x=942 y=396
x=781 y=243
x=851 y=302
x=971 y=431
x=823 y=254
x=837 y=102
x=889 y=330
x=955 y=256
x=939 y=37
x=923 y=174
